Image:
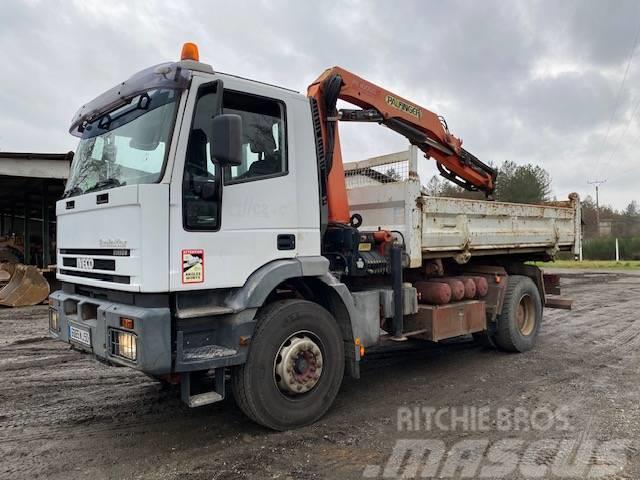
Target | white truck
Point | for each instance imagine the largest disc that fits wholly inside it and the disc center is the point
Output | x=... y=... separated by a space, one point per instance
x=198 y=241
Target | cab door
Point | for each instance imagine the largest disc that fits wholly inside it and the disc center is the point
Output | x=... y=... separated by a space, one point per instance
x=228 y=222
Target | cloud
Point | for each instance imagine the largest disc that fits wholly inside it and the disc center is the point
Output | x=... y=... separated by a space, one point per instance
x=570 y=102
x=529 y=82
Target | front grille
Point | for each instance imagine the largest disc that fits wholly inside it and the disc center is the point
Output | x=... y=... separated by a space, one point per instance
x=98 y=263
x=107 y=252
x=105 y=277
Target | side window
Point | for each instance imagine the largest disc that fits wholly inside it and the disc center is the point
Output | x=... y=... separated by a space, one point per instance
x=201 y=179
x=264 y=137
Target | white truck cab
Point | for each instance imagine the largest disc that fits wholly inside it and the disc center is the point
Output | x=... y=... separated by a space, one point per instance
x=148 y=187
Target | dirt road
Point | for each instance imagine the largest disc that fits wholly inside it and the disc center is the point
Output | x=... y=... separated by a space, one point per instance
x=62 y=415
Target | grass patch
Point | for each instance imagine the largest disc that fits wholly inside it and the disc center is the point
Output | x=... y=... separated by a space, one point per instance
x=593 y=264
x=604 y=248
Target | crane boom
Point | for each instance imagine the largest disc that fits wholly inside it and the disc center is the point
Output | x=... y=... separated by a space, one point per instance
x=420 y=126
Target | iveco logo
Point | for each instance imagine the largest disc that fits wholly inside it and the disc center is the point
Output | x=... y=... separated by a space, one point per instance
x=84 y=263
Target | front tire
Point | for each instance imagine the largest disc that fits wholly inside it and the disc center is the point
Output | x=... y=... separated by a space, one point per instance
x=519 y=323
x=294 y=367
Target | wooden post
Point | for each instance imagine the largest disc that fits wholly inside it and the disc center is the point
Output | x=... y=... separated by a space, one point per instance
x=25 y=228
x=12 y=223
x=46 y=253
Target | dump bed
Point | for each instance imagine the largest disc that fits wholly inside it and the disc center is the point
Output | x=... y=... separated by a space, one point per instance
x=387 y=193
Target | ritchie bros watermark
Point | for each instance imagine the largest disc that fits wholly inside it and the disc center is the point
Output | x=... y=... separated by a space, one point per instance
x=482 y=419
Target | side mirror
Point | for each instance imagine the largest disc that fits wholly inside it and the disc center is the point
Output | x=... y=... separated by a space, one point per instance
x=226 y=139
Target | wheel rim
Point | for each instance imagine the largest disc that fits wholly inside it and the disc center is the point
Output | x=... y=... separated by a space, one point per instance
x=526 y=316
x=298 y=365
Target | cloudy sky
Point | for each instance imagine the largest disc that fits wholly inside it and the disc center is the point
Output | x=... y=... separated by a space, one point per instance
x=556 y=83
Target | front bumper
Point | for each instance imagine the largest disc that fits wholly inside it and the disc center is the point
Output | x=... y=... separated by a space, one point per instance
x=101 y=318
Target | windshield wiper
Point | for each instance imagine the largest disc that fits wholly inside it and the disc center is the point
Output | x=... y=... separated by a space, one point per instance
x=72 y=192
x=109 y=182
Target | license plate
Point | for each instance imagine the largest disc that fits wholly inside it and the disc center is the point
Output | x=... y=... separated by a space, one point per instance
x=80 y=335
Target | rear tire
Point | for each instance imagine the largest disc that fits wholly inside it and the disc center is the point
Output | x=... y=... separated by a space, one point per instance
x=519 y=323
x=294 y=367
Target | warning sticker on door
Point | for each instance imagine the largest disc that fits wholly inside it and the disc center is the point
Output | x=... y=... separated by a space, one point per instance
x=192 y=266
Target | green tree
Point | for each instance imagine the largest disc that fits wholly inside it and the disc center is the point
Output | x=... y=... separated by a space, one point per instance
x=632 y=209
x=588 y=205
x=437 y=187
x=522 y=183
x=392 y=174
x=433 y=187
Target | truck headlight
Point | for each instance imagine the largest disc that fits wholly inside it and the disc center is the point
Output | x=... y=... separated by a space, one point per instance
x=54 y=320
x=124 y=344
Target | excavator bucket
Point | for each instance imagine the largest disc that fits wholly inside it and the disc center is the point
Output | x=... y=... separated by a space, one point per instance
x=26 y=287
x=4 y=277
x=8 y=268
x=6 y=271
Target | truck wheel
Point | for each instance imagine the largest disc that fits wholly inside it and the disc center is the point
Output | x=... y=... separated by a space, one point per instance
x=294 y=367
x=519 y=323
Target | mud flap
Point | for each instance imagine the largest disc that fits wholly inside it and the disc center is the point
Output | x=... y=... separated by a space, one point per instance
x=558 y=302
x=352 y=360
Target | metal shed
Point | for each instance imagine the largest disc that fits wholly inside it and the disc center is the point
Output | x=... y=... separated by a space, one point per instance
x=30 y=184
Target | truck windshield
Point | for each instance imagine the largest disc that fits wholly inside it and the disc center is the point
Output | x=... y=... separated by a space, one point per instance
x=126 y=146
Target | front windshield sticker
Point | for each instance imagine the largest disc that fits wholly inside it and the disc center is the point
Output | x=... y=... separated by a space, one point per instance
x=192 y=266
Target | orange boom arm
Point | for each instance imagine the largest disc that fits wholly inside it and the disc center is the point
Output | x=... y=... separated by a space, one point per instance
x=422 y=128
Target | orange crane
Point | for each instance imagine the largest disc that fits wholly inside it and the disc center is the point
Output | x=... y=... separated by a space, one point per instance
x=423 y=128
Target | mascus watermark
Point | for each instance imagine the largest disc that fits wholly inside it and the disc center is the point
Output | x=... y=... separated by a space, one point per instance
x=482 y=458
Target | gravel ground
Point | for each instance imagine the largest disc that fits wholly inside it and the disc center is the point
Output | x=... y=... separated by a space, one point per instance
x=63 y=415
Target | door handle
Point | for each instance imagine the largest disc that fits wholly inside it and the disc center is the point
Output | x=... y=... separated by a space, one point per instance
x=287 y=242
